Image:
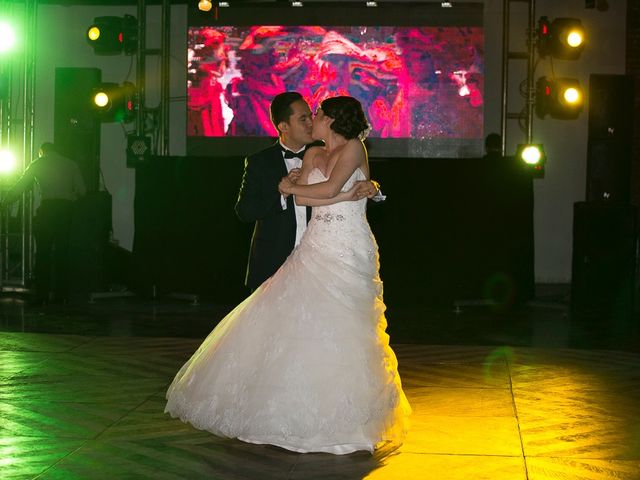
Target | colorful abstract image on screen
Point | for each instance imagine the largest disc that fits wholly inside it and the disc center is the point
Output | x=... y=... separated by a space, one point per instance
x=414 y=82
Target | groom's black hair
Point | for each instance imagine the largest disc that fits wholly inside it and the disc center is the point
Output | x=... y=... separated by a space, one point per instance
x=281 y=107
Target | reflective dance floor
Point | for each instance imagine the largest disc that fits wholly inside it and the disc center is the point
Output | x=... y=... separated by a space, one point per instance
x=527 y=394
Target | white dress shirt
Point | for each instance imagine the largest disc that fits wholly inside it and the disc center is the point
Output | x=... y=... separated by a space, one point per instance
x=300 y=210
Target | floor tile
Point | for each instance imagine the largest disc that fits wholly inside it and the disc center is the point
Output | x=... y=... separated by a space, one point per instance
x=450 y=467
x=463 y=435
x=417 y=373
x=63 y=420
x=461 y=402
x=173 y=459
x=13 y=362
x=125 y=365
x=26 y=457
x=40 y=342
x=581 y=469
x=76 y=389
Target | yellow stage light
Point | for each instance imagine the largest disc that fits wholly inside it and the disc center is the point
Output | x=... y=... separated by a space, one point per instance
x=115 y=103
x=575 y=38
x=113 y=35
x=101 y=99
x=560 y=98
x=572 y=95
x=93 y=33
x=204 y=5
x=563 y=38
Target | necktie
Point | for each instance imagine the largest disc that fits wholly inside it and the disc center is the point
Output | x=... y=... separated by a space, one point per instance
x=290 y=154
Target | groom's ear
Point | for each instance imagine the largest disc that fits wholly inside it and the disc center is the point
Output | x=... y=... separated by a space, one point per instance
x=283 y=126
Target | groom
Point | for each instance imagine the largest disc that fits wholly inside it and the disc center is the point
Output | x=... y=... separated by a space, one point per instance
x=279 y=222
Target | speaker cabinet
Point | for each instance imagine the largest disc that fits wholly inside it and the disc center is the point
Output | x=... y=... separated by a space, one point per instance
x=604 y=258
x=76 y=128
x=88 y=243
x=610 y=138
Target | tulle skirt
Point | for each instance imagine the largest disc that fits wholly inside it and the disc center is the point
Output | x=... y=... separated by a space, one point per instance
x=304 y=363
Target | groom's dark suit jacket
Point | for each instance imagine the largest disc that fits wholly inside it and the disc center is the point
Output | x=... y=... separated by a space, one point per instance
x=259 y=201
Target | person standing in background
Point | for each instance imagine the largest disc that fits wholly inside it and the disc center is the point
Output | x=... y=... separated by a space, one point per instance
x=60 y=184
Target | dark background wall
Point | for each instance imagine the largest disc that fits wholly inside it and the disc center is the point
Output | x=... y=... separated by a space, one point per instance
x=449 y=229
x=612 y=49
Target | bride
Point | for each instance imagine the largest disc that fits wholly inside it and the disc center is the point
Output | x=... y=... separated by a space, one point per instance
x=304 y=363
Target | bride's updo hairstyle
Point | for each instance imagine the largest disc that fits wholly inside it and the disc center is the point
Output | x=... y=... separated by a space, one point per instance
x=348 y=117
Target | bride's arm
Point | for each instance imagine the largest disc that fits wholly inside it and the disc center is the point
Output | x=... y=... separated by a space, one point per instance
x=352 y=156
x=347 y=196
x=308 y=164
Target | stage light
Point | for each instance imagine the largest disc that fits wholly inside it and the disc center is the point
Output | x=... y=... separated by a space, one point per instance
x=204 y=5
x=575 y=38
x=223 y=4
x=571 y=95
x=115 y=103
x=296 y=4
x=113 y=35
x=7 y=37
x=93 y=33
x=531 y=154
x=560 y=98
x=138 y=150
x=533 y=157
x=371 y=4
x=8 y=162
x=563 y=38
x=101 y=99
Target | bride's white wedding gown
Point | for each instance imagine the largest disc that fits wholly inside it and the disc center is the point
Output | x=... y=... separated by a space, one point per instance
x=304 y=363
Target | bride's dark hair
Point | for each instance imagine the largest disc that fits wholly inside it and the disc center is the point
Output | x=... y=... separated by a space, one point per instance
x=348 y=117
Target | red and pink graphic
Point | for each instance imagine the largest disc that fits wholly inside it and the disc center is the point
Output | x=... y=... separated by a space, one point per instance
x=415 y=82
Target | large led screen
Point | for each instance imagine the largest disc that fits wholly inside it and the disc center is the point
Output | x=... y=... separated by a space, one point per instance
x=421 y=86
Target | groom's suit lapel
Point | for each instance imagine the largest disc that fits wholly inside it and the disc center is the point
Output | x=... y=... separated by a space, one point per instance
x=278 y=160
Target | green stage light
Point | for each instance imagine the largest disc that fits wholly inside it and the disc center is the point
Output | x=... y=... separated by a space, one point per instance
x=8 y=162
x=7 y=37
